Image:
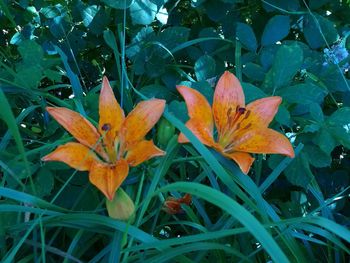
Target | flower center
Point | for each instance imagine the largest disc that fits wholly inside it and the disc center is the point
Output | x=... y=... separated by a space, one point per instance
x=234 y=122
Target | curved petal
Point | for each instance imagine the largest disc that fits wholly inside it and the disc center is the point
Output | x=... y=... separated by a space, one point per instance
x=244 y=160
x=79 y=127
x=111 y=114
x=227 y=96
x=264 y=141
x=141 y=119
x=198 y=107
x=200 y=131
x=74 y=154
x=262 y=111
x=107 y=178
x=141 y=152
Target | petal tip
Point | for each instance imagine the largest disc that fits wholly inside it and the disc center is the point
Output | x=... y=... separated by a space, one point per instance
x=105 y=84
x=45 y=158
x=51 y=109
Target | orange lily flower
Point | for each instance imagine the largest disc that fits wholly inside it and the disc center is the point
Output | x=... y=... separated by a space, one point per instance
x=107 y=152
x=173 y=205
x=241 y=129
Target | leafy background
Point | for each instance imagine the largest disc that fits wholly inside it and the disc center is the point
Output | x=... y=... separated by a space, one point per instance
x=56 y=52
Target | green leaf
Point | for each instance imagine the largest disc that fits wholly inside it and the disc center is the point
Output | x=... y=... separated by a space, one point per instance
x=28 y=76
x=254 y=71
x=204 y=68
x=338 y=125
x=276 y=29
x=283 y=116
x=173 y=36
x=118 y=4
x=44 y=182
x=302 y=94
x=325 y=140
x=178 y=109
x=31 y=52
x=317 y=157
x=143 y=12
x=287 y=62
x=246 y=36
x=316 y=112
x=279 y=5
x=252 y=92
x=88 y=13
x=298 y=172
x=156 y=91
x=317 y=29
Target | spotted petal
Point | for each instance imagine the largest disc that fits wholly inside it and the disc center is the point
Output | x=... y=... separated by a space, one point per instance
x=198 y=108
x=141 y=120
x=262 y=111
x=111 y=114
x=107 y=178
x=200 y=131
x=263 y=141
x=143 y=151
x=228 y=95
x=80 y=128
x=74 y=154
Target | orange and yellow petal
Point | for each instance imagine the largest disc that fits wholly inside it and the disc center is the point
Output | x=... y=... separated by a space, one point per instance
x=198 y=107
x=141 y=120
x=202 y=132
x=107 y=178
x=227 y=96
x=262 y=111
x=264 y=141
x=79 y=127
x=73 y=154
x=111 y=114
x=141 y=152
x=243 y=160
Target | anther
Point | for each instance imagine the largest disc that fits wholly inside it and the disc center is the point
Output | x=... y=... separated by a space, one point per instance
x=241 y=110
x=106 y=127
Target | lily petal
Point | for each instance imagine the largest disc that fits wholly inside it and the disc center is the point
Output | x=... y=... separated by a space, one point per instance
x=198 y=107
x=141 y=120
x=228 y=95
x=264 y=141
x=244 y=160
x=74 y=154
x=202 y=132
x=262 y=111
x=79 y=127
x=142 y=151
x=111 y=114
x=108 y=178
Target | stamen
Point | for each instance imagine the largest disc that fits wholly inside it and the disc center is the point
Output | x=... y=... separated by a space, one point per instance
x=241 y=110
x=106 y=127
x=247 y=114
